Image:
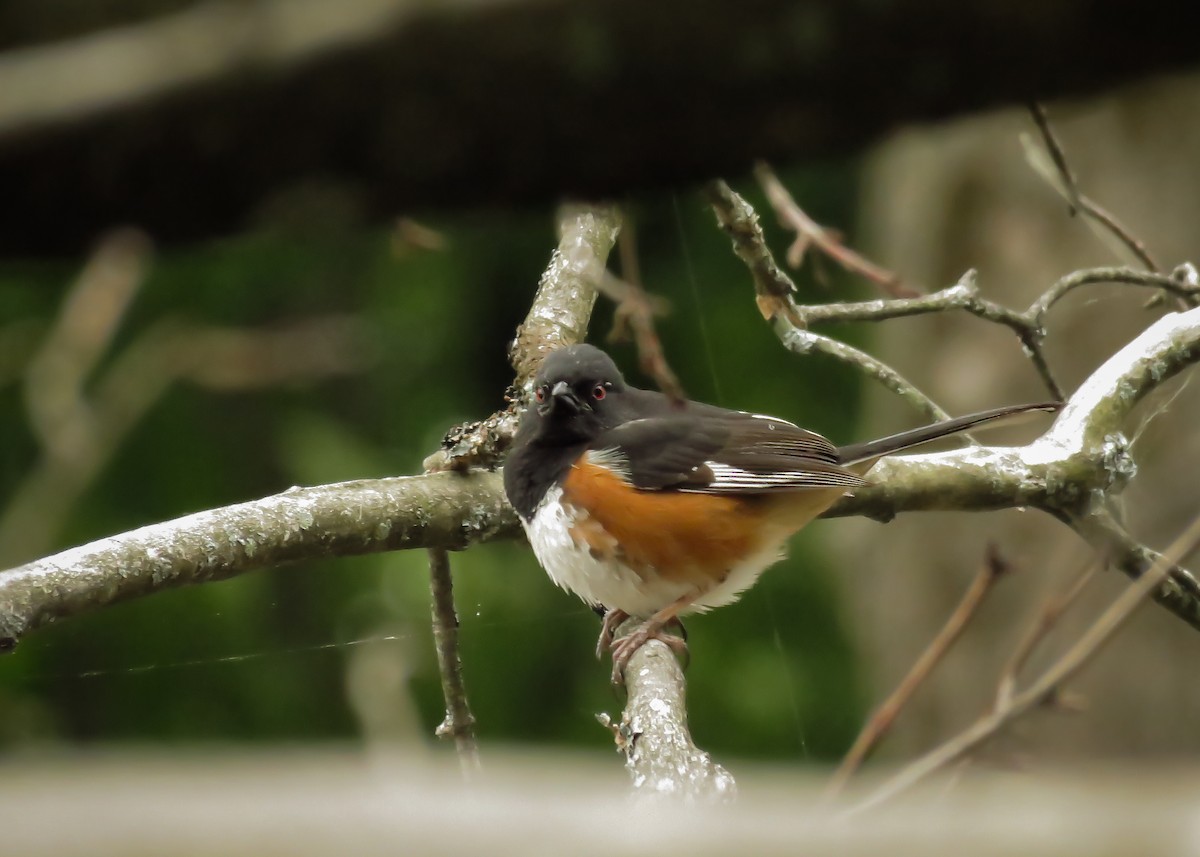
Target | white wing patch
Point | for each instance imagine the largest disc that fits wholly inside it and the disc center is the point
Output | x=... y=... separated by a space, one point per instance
x=727 y=477
x=770 y=419
x=612 y=459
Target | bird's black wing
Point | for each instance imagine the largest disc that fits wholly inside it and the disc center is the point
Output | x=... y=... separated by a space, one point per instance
x=721 y=452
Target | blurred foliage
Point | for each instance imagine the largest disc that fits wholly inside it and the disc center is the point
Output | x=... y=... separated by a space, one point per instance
x=264 y=656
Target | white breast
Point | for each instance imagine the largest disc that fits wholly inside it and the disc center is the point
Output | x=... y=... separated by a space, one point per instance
x=608 y=582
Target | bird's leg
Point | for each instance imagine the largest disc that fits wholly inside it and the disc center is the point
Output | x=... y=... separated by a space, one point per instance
x=608 y=630
x=652 y=629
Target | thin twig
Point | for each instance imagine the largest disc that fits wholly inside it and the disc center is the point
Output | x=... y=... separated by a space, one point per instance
x=1047 y=684
x=809 y=233
x=634 y=316
x=801 y=341
x=459 y=723
x=773 y=292
x=993 y=567
x=1048 y=617
x=1067 y=185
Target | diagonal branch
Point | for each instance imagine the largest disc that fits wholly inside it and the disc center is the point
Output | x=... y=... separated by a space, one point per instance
x=994 y=566
x=1048 y=683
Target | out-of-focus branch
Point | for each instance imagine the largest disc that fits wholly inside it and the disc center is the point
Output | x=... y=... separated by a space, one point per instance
x=1049 y=682
x=634 y=318
x=444 y=510
x=74 y=78
x=809 y=233
x=1047 y=619
x=558 y=316
x=82 y=429
x=206 y=98
x=1062 y=179
x=880 y=722
x=88 y=319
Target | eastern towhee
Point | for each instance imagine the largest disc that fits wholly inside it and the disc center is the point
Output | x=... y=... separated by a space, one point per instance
x=652 y=508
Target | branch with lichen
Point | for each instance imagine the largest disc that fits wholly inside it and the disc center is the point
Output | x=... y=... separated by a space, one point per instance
x=1067 y=472
x=774 y=290
x=653 y=735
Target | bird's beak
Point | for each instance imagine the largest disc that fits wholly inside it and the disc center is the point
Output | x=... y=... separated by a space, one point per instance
x=564 y=398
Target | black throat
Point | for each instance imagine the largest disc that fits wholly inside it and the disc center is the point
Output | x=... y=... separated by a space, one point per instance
x=533 y=468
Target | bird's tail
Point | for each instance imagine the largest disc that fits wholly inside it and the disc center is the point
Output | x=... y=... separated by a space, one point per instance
x=857 y=453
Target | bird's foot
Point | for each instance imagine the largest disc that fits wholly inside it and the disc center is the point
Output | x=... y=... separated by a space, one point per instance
x=608 y=630
x=623 y=649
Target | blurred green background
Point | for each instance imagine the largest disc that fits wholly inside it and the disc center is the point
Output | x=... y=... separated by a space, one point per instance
x=273 y=656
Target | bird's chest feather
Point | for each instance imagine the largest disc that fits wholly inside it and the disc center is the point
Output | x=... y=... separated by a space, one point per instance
x=639 y=551
x=559 y=535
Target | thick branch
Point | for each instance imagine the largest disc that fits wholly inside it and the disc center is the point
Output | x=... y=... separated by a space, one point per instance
x=349 y=518
x=659 y=752
x=1082 y=457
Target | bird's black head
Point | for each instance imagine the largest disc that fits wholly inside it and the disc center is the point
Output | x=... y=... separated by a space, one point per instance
x=575 y=395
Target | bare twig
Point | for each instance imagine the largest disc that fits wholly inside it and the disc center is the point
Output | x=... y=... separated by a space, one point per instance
x=459 y=723
x=809 y=233
x=1047 y=618
x=774 y=297
x=773 y=292
x=84 y=428
x=801 y=341
x=87 y=321
x=1065 y=183
x=1048 y=683
x=634 y=317
x=993 y=567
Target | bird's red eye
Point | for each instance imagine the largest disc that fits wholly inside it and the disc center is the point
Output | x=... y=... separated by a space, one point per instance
x=599 y=392
x=540 y=394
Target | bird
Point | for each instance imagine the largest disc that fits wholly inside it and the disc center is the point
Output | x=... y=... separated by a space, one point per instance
x=654 y=508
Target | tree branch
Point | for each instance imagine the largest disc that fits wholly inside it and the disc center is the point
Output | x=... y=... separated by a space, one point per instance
x=445 y=510
x=1083 y=456
x=1048 y=683
x=881 y=721
x=459 y=723
x=653 y=734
